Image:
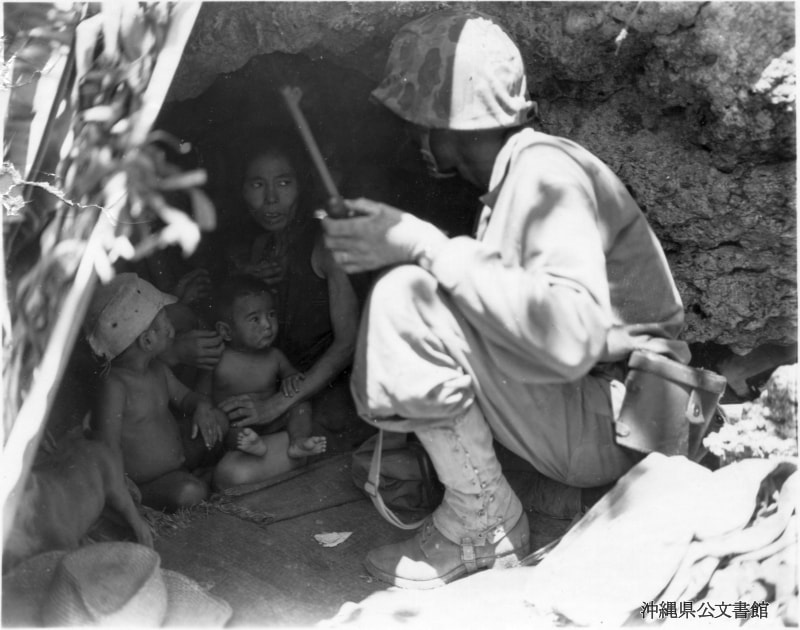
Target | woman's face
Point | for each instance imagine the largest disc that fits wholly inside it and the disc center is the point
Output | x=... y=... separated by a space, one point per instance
x=270 y=191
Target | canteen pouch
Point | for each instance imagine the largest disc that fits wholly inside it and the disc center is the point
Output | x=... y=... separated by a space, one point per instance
x=668 y=407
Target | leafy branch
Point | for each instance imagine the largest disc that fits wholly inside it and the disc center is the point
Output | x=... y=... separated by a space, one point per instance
x=108 y=182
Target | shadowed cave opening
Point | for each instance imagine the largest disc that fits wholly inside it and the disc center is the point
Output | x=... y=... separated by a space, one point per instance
x=364 y=145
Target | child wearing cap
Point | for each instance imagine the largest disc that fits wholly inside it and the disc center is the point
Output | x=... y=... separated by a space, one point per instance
x=246 y=320
x=126 y=325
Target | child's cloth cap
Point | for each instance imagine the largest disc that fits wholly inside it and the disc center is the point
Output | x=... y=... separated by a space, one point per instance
x=120 y=311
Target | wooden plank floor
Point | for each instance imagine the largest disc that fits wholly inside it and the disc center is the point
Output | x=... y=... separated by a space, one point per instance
x=260 y=554
x=279 y=575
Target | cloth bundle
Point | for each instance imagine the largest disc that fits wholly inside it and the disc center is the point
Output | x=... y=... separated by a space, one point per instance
x=671 y=540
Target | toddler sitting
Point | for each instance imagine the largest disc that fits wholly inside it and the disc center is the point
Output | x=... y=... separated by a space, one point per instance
x=246 y=320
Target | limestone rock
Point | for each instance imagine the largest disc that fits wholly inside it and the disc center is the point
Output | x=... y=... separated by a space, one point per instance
x=767 y=427
x=737 y=63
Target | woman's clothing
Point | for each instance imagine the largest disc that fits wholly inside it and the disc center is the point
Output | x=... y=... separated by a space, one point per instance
x=304 y=321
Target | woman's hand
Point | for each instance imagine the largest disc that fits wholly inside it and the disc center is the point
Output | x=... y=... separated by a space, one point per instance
x=194 y=286
x=291 y=384
x=200 y=348
x=377 y=236
x=245 y=410
x=269 y=272
x=208 y=421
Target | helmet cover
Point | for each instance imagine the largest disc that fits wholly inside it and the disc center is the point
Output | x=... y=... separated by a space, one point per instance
x=455 y=69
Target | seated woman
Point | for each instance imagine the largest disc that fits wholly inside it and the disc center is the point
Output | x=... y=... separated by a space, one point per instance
x=279 y=242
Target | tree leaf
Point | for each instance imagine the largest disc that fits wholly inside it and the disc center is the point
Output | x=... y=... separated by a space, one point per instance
x=188 y=179
x=132 y=31
x=203 y=210
x=112 y=21
x=180 y=230
x=98 y=114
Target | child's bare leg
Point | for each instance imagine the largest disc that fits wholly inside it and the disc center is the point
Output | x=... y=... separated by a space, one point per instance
x=298 y=426
x=237 y=468
x=174 y=490
x=250 y=442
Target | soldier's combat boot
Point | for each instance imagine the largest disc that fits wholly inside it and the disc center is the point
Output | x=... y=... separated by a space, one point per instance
x=479 y=524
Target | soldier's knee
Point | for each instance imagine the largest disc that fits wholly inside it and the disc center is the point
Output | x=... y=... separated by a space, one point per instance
x=401 y=288
x=405 y=279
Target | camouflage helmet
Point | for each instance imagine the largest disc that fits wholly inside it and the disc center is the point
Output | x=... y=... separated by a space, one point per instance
x=455 y=69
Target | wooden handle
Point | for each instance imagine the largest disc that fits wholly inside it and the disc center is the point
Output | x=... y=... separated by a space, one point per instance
x=292 y=96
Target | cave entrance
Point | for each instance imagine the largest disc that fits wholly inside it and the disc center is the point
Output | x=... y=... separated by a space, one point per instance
x=364 y=144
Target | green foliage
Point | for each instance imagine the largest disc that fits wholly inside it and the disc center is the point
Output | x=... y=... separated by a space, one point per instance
x=109 y=187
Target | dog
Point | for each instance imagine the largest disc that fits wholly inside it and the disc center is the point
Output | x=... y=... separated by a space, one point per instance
x=64 y=495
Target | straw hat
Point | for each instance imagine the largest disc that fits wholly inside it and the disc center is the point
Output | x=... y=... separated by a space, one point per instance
x=106 y=584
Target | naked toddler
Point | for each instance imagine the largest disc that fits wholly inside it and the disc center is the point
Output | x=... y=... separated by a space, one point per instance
x=127 y=326
x=247 y=321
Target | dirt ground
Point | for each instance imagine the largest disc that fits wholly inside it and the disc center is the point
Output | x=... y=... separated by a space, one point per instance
x=258 y=550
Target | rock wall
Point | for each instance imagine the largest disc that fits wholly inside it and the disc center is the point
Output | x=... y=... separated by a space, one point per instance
x=692 y=104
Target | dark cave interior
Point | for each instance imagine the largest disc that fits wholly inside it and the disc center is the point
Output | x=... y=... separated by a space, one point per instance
x=363 y=144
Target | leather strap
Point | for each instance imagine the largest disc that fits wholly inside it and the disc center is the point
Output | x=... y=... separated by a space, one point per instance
x=468 y=555
x=372 y=488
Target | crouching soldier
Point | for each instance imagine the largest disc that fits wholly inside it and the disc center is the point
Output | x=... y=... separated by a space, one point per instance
x=504 y=335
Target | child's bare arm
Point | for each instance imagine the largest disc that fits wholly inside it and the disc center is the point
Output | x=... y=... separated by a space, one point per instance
x=291 y=378
x=108 y=414
x=285 y=367
x=206 y=418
